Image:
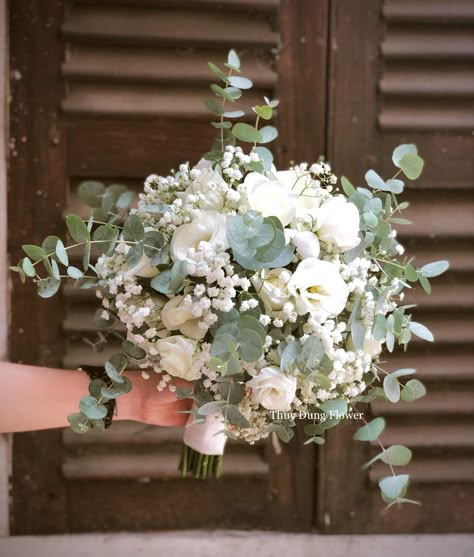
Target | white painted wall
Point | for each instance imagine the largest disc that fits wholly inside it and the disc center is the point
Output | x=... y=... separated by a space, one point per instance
x=236 y=544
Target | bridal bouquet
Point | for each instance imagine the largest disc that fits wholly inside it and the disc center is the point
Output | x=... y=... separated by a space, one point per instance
x=272 y=292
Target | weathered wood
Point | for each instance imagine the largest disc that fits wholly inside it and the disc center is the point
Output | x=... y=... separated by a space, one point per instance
x=37 y=187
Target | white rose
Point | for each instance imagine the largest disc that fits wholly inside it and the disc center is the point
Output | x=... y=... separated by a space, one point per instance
x=337 y=223
x=271 y=287
x=208 y=183
x=270 y=197
x=302 y=185
x=177 y=357
x=371 y=346
x=273 y=389
x=175 y=315
x=318 y=288
x=306 y=244
x=143 y=268
x=210 y=226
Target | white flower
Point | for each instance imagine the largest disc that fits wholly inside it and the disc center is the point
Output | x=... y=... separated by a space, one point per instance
x=318 y=288
x=177 y=357
x=270 y=197
x=306 y=243
x=143 y=268
x=271 y=286
x=303 y=186
x=337 y=223
x=208 y=183
x=176 y=315
x=273 y=389
x=371 y=346
x=210 y=227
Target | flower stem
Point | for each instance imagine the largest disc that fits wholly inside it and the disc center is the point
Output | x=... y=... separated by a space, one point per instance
x=198 y=465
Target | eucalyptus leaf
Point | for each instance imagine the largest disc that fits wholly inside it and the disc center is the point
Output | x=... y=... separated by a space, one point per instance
x=264 y=112
x=393 y=486
x=61 y=253
x=117 y=389
x=247 y=133
x=240 y=82
x=391 y=387
x=91 y=408
x=77 y=229
x=401 y=151
x=36 y=253
x=113 y=373
x=413 y=390
x=412 y=165
x=28 y=267
x=133 y=350
x=268 y=133
x=370 y=431
x=347 y=187
x=48 y=287
x=133 y=230
x=235 y=417
x=79 y=422
x=421 y=331
x=266 y=156
x=91 y=193
x=233 y=59
x=434 y=269
x=211 y=407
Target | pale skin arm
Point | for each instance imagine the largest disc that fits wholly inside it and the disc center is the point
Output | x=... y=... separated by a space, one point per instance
x=33 y=398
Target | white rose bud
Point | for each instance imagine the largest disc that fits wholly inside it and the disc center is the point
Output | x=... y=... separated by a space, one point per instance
x=371 y=346
x=270 y=197
x=143 y=268
x=214 y=199
x=210 y=227
x=273 y=389
x=271 y=287
x=177 y=357
x=338 y=222
x=318 y=288
x=306 y=244
x=176 y=316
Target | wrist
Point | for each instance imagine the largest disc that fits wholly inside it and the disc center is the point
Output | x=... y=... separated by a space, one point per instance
x=129 y=406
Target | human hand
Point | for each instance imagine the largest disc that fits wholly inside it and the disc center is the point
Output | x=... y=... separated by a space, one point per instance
x=146 y=404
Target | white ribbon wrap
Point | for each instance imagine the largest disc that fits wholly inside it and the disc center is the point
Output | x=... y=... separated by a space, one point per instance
x=205 y=437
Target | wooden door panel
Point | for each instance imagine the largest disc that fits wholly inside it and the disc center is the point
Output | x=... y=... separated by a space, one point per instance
x=124 y=85
x=412 y=84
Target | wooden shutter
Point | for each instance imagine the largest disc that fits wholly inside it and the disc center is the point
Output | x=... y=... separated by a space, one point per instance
x=112 y=90
x=400 y=73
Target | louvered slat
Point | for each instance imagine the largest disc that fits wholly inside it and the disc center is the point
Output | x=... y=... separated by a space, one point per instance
x=426 y=95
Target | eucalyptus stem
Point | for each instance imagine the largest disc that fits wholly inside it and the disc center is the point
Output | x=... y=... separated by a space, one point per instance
x=382 y=446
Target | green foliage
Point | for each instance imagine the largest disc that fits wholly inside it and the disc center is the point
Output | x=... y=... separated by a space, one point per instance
x=171 y=281
x=92 y=408
x=247 y=133
x=242 y=339
x=413 y=390
x=117 y=389
x=77 y=229
x=79 y=422
x=393 y=487
x=133 y=350
x=370 y=431
x=258 y=242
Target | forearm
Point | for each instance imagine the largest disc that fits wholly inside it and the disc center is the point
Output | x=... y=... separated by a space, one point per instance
x=40 y=398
